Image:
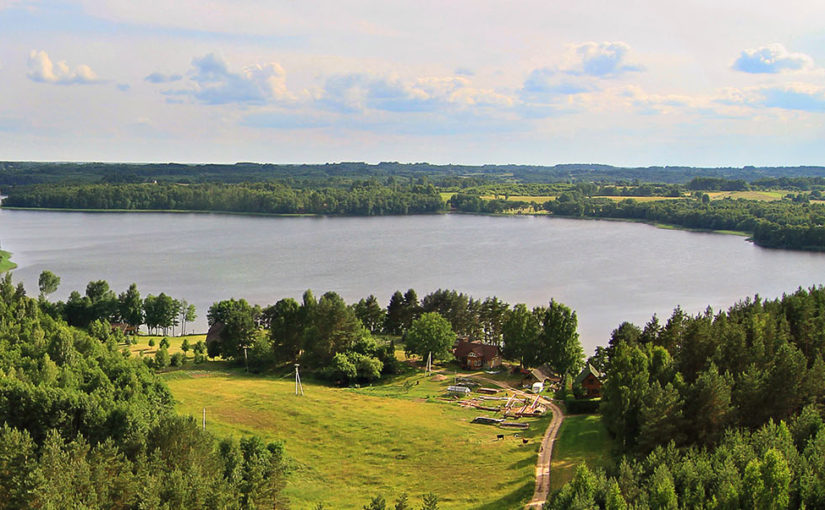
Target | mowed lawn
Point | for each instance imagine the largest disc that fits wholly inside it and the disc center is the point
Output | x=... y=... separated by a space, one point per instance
x=349 y=445
x=582 y=438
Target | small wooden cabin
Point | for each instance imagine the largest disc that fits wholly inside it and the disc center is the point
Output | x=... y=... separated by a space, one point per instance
x=591 y=380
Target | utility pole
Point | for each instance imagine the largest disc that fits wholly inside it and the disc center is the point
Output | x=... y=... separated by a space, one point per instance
x=298 y=385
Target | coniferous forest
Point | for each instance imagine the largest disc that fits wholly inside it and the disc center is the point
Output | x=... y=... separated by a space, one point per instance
x=717 y=410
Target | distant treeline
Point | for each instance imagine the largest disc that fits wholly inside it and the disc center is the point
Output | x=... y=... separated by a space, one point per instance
x=14 y=173
x=366 y=198
x=778 y=224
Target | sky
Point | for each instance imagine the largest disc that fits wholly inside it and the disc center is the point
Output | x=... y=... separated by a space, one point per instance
x=634 y=83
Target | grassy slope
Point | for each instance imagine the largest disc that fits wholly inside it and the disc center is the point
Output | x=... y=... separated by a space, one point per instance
x=351 y=444
x=582 y=438
x=5 y=263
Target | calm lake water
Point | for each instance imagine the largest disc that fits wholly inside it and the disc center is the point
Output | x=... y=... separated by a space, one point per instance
x=608 y=272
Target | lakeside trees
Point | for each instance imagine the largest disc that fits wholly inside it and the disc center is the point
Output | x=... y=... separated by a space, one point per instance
x=336 y=341
x=84 y=426
x=777 y=224
x=716 y=410
x=364 y=199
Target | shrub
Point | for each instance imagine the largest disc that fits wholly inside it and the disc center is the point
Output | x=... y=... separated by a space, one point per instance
x=178 y=359
x=162 y=358
x=575 y=406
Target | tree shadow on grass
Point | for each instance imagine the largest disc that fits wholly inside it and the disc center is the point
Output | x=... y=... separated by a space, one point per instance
x=516 y=499
x=523 y=463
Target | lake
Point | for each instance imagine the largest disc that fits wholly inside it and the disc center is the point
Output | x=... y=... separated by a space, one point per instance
x=607 y=271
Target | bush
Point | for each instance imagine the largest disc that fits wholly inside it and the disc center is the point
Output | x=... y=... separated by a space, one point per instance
x=178 y=359
x=164 y=343
x=151 y=342
x=162 y=358
x=575 y=406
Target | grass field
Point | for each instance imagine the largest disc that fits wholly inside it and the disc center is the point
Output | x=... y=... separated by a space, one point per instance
x=5 y=263
x=638 y=199
x=582 y=438
x=351 y=444
x=538 y=199
x=766 y=196
x=143 y=347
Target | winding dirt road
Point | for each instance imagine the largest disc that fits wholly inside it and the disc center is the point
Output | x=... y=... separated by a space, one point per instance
x=547 y=442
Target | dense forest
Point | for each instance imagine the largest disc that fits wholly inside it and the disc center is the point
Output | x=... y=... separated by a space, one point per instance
x=363 y=198
x=717 y=410
x=87 y=426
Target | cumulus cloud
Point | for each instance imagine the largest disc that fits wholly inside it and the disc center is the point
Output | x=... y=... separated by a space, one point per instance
x=43 y=70
x=216 y=84
x=545 y=81
x=163 y=78
x=771 y=59
x=795 y=96
x=582 y=63
x=605 y=59
x=358 y=92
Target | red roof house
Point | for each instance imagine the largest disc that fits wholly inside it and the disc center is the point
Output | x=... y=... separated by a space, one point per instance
x=476 y=355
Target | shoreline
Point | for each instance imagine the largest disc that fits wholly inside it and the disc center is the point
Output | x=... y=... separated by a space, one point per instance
x=5 y=262
x=665 y=226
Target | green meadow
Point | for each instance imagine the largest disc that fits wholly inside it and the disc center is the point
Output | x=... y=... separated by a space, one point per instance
x=5 y=261
x=350 y=444
x=582 y=438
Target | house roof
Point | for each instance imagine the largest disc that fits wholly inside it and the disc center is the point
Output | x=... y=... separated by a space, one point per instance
x=543 y=373
x=214 y=333
x=588 y=369
x=486 y=351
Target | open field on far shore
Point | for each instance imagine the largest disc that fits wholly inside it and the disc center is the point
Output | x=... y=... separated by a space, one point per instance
x=582 y=438
x=142 y=346
x=766 y=196
x=538 y=199
x=350 y=444
x=638 y=199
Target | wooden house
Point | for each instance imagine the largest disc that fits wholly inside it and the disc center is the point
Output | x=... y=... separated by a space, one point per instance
x=591 y=380
x=543 y=374
x=476 y=355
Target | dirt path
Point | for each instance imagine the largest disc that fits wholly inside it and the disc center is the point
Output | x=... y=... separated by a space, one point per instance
x=546 y=449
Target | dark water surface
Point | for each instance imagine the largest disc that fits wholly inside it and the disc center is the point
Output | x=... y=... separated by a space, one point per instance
x=607 y=271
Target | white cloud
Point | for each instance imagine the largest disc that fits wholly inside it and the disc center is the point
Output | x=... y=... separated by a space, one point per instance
x=212 y=82
x=357 y=92
x=795 y=96
x=804 y=97
x=771 y=59
x=43 y=70
x=605 y=59
x=163 y=78
x=582 y=64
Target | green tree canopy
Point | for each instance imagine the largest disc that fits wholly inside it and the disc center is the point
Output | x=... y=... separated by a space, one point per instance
x=430 y=333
